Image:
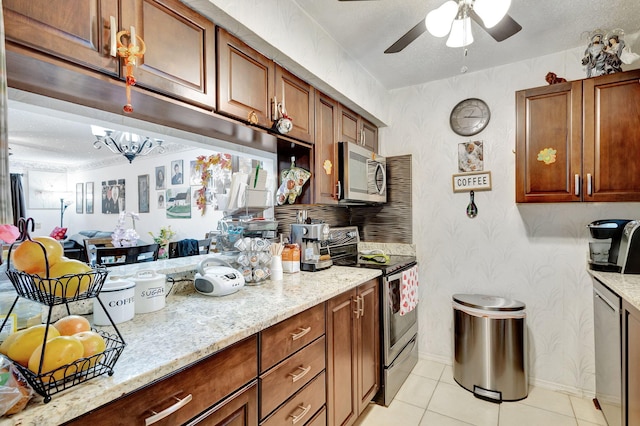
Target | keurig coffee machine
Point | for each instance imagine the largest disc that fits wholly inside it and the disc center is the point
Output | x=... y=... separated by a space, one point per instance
x=629 y=252
x=604 y=246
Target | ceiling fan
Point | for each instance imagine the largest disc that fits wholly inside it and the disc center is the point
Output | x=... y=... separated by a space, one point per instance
x=454 y=18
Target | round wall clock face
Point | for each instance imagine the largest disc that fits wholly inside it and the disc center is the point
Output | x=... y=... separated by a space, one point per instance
x=469 y=117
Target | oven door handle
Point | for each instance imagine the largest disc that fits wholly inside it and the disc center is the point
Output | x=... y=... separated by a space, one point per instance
x=393 y=277
x=412 y=342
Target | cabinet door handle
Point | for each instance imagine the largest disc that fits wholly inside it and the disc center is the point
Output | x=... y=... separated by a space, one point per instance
x=301 y=332
x=112 y=36
x=589 y=184
x=361 y=302
x=357 y=311
x=168 y=411
x=296 y=377
x=339 y=185
x=577 y=184
x=305 y=410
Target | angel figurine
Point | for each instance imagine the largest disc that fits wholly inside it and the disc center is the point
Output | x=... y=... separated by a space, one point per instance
x=594 y=56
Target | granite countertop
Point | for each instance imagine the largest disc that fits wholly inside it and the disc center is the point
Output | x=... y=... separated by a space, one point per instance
x=626 y=286
x=189 y=328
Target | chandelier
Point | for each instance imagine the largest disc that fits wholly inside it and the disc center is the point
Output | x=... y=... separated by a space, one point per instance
x=128 y=144
x=454 y=18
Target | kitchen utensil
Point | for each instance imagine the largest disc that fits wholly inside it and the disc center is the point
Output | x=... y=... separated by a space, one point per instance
x=118 y=297
x=472 y=210
x=149 y=291
x=220 y=279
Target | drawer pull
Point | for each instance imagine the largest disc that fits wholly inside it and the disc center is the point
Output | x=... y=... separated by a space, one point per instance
x=296 y=377
x=305 y=410
x=301 y=332
x=168 y=411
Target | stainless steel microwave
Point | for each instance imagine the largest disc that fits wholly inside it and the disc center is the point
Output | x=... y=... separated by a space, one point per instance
x=362 y=175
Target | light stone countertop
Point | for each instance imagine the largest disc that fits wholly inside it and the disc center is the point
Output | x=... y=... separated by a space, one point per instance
x=189 y=328
x=626 y=286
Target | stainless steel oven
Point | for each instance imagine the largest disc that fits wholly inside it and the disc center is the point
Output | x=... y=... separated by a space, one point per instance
x=398 y=333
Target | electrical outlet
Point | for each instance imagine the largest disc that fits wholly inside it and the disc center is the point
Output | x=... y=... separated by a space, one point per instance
x=38 y=225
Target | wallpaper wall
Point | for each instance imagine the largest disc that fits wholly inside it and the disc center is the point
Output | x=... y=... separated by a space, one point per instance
x=533 y=253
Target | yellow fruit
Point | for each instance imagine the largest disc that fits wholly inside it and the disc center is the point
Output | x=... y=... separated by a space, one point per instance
x=29 y=257
x=4 y=347
x=67 y=286
x=93 y=344
x=23 y=345
x=72 y=324
x=59 y=351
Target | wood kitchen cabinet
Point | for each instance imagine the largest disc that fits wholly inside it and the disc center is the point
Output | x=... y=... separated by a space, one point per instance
x=594 y=127
x=325 y=151
x=353 y=352
x=299 y=97
x=73 y=30
x=180 y=49
x=292 y=376
x=193 y=393
x=245 y=81
x=354 y=128
x=179 y=60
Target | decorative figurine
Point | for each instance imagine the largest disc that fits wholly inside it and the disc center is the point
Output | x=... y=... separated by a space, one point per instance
x=552 y=78
x=606 y=53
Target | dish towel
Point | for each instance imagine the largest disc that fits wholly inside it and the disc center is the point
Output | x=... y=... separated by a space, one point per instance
x=409 y=290
x=188 y=247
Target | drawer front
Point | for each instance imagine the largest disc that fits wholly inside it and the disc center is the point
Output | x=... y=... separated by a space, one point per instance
x=301 y=407
x=290 y=375
x=239 y=409
x=204 y=383
x=281 y=340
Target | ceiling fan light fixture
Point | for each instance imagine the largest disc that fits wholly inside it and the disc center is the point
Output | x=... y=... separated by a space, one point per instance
x=439 y=20
x=460 y=34
x=491 y=11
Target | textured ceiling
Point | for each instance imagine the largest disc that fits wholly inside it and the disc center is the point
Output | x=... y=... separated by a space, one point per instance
x=366 y=28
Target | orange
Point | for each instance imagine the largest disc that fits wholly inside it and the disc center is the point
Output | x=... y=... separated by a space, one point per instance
x=72 y=324
x=24 y=344
x=29 y=257
x=68 y=286
x=59 y=351
x=93 y=344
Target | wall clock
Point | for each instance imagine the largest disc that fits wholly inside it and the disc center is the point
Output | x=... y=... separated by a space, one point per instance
x=469 y=117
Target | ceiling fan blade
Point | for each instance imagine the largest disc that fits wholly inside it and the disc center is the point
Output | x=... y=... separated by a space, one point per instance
x=408 y=38
x=502 y=30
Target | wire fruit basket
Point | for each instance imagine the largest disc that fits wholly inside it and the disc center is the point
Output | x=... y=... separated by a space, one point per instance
x=56 y=291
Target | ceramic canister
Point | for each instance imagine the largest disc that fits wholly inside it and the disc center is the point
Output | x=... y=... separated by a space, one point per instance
x=117 y=295
x=149 y=292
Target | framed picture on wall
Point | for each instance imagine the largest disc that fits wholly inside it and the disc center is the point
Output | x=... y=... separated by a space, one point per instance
x=88 y=199
x=113 y=196
x=79 y=198
x=160 y=180
x=177 y=177
x=160 y=195
x=143 y=194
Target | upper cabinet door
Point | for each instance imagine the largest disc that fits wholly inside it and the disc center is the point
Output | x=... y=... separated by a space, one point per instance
x=180 y=49
x=369 y=135
x=612 y=137
x=348 y=126
x=74 y=30
x=548 y=120
x=325 y=168
x=245 y=81
x=299 y=98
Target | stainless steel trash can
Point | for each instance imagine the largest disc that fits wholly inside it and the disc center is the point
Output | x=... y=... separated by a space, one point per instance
x=490 y=347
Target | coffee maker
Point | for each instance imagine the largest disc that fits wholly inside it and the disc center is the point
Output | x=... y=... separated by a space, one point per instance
x=629 y=253
x=313 y=239
x=604 y=246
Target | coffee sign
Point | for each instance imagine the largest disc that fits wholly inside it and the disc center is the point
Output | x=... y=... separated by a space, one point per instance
x=474 y=181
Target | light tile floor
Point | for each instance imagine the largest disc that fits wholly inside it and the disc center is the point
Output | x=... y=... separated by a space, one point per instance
x=430 y=397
